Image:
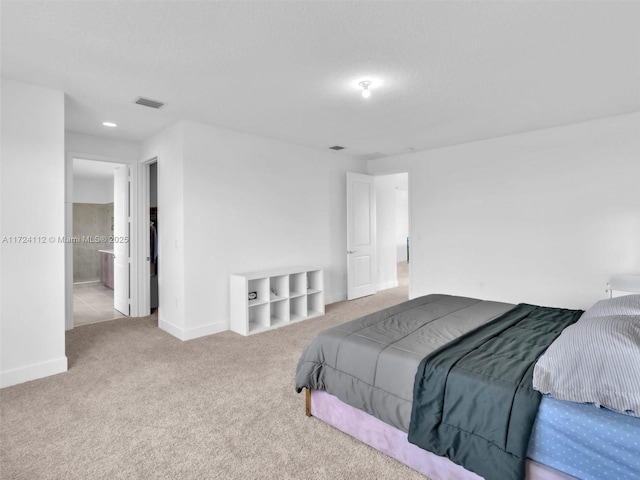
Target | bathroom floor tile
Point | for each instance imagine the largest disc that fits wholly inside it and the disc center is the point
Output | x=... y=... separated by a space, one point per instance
x=93 y=303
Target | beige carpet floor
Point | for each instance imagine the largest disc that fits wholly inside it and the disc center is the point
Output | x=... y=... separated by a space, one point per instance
x=137 y=403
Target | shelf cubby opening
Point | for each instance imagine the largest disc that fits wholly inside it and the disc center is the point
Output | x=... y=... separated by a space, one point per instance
x=315 y=304
x=297 y=284
x=258 y=288
x=259 y=317
x=279 y=312
x=298 y=308
x=314 y=281
x=279 y=287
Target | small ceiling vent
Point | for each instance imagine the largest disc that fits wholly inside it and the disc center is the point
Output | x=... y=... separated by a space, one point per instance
x=337 y=147
x=147 y=102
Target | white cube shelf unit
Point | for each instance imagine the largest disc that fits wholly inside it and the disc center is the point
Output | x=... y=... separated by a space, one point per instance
x=265 y=300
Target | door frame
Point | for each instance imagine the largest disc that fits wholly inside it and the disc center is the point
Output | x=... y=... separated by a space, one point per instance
x=122 y=228
x=68 y=231
x=142 y=264
x=392 y=171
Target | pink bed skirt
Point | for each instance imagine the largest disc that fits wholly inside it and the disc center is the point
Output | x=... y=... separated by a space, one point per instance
x=393 y=442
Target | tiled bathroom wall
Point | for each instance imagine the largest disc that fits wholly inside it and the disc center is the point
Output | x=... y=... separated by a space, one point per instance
x=90 y=220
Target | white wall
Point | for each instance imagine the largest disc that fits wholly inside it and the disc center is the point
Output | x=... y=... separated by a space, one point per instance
x=543 y=217
x=32 y=311
x=91 y=147
x=168 y=147
x=230 y=202
x=86 y=190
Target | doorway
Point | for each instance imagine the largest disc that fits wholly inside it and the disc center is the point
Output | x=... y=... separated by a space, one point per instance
x=95 y=213
x=378 y=240
x=392 y=231
x=154 y=259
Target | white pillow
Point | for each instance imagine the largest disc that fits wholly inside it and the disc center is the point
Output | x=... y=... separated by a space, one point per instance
x=595 y=360
x=625 y=305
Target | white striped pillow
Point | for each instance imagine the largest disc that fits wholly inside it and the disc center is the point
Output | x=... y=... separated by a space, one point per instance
x=625 y=305
x=596 y=360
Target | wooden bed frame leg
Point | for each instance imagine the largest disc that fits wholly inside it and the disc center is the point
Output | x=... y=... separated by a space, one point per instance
x=307 y=402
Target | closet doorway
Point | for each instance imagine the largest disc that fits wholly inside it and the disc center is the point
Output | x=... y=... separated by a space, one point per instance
x=153 y=238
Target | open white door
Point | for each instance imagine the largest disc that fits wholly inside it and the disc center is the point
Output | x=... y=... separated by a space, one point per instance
x=121 y=234
x=361 y=235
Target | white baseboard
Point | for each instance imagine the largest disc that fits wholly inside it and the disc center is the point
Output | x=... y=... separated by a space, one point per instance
x=341 y=297
x=191 y=333
x=170 y=329
x=205 y=330
x=33 y=372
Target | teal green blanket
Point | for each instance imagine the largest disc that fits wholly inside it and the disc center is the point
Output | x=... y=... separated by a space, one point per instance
x=473 y=399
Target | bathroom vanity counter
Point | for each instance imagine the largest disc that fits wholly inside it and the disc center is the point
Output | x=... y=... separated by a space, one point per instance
x=106 y=267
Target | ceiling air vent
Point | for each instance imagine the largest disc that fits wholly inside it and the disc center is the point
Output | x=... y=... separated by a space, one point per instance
x=147 y=102
x=337 y=147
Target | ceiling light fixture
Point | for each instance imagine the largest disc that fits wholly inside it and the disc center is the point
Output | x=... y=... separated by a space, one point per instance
x=365 y=84
x=109 y=124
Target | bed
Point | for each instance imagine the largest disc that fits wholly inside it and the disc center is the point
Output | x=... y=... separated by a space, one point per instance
x=363 y=377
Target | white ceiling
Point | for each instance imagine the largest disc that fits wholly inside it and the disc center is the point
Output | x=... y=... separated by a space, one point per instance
x=446 y=72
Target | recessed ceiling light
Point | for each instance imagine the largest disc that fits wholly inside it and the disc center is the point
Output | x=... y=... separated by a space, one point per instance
x=109 y=124
x=365 y=84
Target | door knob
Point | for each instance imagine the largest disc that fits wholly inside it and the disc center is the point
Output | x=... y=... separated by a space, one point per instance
x=352 y=251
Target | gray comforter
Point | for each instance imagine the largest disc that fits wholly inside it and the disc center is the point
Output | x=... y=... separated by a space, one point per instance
x=370 y=363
